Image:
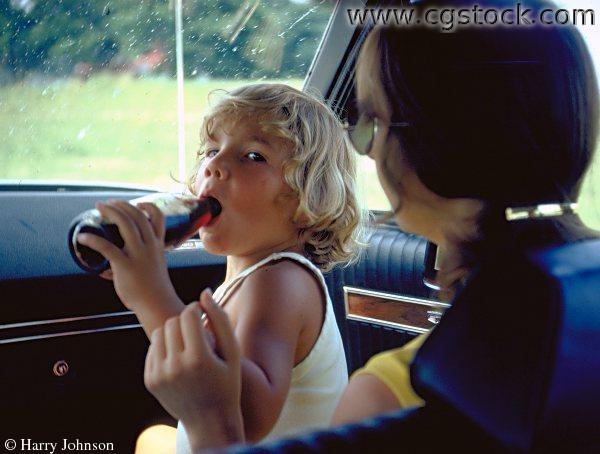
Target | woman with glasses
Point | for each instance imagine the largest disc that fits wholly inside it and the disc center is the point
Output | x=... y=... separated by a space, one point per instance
x=481 y=139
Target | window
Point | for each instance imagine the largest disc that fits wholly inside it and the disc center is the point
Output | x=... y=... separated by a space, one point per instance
x=370 y=192
x=89 y=89
x=589 y=201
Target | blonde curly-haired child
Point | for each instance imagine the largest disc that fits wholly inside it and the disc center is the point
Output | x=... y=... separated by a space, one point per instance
x=278 y=161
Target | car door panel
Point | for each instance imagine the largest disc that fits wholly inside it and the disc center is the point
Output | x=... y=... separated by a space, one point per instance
x=87 y=386
x=73 y=356
x=393 y=263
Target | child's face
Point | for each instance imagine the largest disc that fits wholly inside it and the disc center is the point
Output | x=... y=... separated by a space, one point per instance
x=243 y=170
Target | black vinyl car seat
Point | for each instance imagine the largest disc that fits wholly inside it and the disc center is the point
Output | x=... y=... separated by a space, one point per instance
x=393 y=262
x=519 y=355
x=513 y=367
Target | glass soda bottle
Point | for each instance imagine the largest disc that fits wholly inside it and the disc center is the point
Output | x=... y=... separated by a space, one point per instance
x=184 y=215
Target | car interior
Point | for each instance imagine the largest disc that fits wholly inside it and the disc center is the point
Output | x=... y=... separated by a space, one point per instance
x=73 y=356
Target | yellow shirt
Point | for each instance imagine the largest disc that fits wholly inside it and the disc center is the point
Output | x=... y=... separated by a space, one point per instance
x=392 y=367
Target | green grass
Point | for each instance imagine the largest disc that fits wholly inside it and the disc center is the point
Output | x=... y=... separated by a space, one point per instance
x=109 y=128
x=119 y=129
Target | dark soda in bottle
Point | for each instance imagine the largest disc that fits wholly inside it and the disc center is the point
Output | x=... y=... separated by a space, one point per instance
x=184 y=215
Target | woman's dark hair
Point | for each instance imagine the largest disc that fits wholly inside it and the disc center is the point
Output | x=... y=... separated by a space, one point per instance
x=508 y=116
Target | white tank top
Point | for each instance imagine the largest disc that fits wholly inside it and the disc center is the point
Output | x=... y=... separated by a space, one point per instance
x=317 y=381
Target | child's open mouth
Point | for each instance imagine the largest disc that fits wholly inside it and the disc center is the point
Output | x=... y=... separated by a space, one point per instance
x=215 y=208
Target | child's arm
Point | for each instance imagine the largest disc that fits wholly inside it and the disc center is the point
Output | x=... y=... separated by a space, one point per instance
x=276 y=303
x=196 y=382
x=139 y=269
x=272 y=307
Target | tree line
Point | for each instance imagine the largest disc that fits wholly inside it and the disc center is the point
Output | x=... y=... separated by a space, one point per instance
x=221 y=38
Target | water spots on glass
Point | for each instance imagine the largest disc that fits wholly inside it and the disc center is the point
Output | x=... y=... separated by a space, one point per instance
x=97 y=81
x=83 y=132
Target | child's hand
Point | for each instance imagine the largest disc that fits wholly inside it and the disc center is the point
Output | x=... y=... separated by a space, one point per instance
x=107 y=274
x=138 y=270
x=196 y=381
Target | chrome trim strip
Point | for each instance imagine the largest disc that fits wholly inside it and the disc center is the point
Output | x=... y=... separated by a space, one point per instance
x=374 y=321
x=190 y=244
x=70 y=333
x=390 y=296
x=74 y=186
x=394 y=296
x=432 y=285
x=65 y=320
x=333 y=46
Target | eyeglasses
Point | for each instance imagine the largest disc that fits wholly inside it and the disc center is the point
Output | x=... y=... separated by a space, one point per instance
x=363 y=132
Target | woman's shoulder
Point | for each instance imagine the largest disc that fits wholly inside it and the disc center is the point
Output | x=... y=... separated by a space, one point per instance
x=392 y=368
x=397 y=357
